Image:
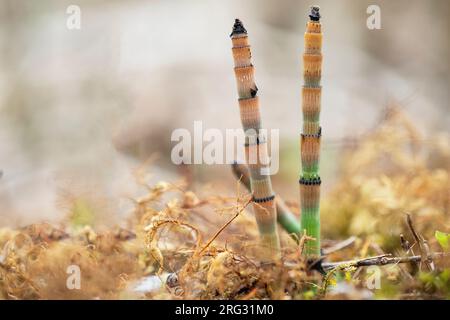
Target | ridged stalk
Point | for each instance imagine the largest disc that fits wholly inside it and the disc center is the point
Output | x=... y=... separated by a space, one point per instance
x=255 y=144
x=285 y=217
x=310 y=138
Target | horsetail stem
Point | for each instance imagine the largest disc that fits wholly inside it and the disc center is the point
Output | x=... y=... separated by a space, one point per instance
x=255 y=144
x=285 y=217
x=310 y=138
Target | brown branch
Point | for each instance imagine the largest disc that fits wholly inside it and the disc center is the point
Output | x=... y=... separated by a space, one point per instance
x=413 y=231
x=379 y=261
x=429 y=255
x=423 y=246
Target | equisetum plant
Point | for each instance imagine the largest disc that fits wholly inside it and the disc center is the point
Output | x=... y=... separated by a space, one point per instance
x=255 y=144
x=287 y=220
x=310 y=138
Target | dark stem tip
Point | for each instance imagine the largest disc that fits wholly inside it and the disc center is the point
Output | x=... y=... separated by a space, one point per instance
x=238 y=28
x=315 y=14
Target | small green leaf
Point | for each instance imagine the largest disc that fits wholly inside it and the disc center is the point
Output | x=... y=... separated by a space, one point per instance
x=443 y=239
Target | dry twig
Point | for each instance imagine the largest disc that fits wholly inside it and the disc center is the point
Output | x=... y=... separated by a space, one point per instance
x=339 y=246
x=379 y=261
x=226 y=225
x=424 y=249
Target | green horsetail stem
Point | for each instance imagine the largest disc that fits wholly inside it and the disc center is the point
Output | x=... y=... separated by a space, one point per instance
x=255 y=144
x=310 y=138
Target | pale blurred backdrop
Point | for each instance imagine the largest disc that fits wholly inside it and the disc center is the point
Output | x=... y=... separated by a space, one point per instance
x=79 y=109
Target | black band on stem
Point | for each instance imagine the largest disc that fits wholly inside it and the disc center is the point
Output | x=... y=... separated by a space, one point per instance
x=310 y=182
x=263 y=199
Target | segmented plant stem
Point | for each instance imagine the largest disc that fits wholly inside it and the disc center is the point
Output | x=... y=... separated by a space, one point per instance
x=285 y=217
x=255 y=144
x=310 y=138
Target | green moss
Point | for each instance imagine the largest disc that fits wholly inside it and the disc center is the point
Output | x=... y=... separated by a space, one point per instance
x=82 y=213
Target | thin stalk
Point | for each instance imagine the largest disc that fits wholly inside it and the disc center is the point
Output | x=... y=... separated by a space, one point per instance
x=310 y=138
x=285 y=217
x=255 y=144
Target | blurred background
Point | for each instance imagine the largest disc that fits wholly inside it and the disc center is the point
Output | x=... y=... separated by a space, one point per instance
x=80 y=109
